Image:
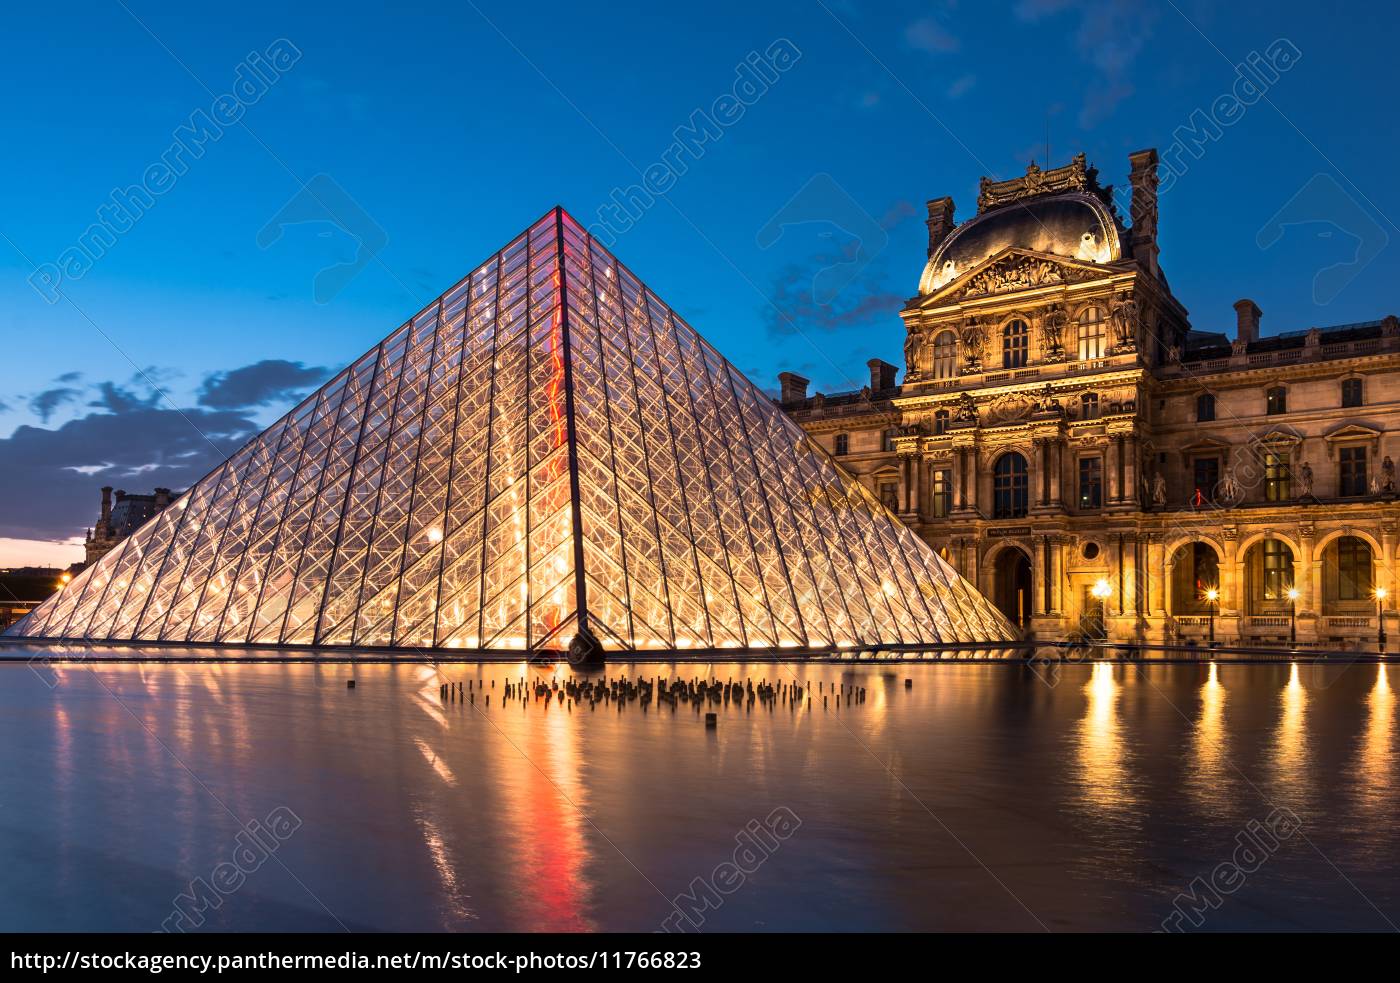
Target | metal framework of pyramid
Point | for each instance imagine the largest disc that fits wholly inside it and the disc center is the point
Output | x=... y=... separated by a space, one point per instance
x=546 y=451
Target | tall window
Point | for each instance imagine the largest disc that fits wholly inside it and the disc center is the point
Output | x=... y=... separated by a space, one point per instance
x=889 y=495
x=942 y=493
x=1089 y=406
x=1009 y=486
x=1091 y=482
x=945 y=355
x=940 y=421
x=1092 y=333
x=1276 y=401
x=1353 y=569
x=1205 y=476
x=887 y=439
x=1205 y=407
x=1278 y=569
x=843 y=444
x=1353 y=471
x=1351 y=392
x=1278 y=486
x=1015 y=344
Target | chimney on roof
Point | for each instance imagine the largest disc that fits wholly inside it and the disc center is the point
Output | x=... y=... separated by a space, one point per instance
x=105 y=521
x=1143 y=179
x=794 y=388
x=1247 y=315
x=881 y=375
x=162 y=497
x=940 y=222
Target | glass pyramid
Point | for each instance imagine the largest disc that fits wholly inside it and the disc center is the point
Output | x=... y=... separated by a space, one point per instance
x=545 y=452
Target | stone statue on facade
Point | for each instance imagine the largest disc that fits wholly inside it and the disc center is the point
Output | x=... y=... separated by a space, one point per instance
x=1305 y=480
x=1388 y=475
x=1124 y=318
x=1159 y=490
x=1053 y=326
x=967 y=409
x=974 y=341
x=913 y=354
x=1229 y=487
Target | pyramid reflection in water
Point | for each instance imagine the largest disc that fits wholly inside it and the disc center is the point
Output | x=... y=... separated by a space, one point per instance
x=545 y=448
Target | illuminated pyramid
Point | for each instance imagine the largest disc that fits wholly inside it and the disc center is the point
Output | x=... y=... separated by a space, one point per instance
x=546 y=455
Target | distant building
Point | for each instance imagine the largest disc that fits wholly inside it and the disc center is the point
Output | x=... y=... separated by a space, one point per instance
x=1096 y=465
x=22 y=589
x=119 y=520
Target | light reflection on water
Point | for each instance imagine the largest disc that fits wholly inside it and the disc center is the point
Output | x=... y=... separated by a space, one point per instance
x=1093 y=800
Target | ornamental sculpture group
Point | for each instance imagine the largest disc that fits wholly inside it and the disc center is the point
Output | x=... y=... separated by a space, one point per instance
x=1229 y=491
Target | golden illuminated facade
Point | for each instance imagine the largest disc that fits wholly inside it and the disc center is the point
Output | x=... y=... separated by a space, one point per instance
x=1094 y=465
x=546 y=458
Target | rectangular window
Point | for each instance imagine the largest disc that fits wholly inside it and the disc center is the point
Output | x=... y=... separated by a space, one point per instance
x=1090 y=482
x=1353 y=471
x=1278 y=569
x=887 y=439
x=1278 y=484
x=1351 y=392
x=1276 y=401
x=843 y=444
x=942 y=494
x=889 y=495
x=1205 y=476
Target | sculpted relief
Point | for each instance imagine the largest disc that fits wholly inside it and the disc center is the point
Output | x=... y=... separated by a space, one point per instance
x=1019 y=273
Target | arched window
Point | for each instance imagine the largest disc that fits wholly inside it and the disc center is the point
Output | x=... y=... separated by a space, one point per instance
x=1089 y=406
x=940 y=421
x=1015 y=344
x=1195 y=570
x=1009 y=485
x=1092 y=333
x=1205 y=407
x=1276 y=401
x=1353 y=569
x=945 y=355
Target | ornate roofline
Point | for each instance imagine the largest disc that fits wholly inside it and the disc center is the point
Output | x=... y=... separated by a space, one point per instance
x=1077 y=175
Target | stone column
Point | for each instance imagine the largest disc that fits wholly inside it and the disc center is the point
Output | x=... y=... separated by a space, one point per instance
x=1056 y=470
x=1110 y=467
x=1130 y=468
x=1308 y=574
x=1039 y=602
x=1057 y=565
x=1157 y=573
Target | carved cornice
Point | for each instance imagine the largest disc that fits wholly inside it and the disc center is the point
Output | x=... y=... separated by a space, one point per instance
x=1074 y=176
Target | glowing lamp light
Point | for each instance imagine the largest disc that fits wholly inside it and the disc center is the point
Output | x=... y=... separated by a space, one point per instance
x=1293 y=593
x=1212 y=594
x=1101 y=589
x=1381 y=593
x=65 y=578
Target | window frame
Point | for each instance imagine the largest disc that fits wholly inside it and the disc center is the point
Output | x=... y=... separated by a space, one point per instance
x=1348 y=473
x=1276 y=401
x=1353 y=393
x=945 y=355
x=1090 y=475
x=1010 y=487
x=841 y=445
x=1092 y=334
x=1205 y=401
x=1278 y=477
x=1015 y=344
x=1350 y=558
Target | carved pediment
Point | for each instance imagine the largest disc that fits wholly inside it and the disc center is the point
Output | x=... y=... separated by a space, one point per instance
x=1353 y=431
x=1016 y=270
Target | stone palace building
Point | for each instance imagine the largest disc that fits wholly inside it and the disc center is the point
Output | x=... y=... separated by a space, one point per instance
x=1095 y=465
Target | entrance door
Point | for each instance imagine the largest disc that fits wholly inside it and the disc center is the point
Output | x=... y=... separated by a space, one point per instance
x=1012 y=586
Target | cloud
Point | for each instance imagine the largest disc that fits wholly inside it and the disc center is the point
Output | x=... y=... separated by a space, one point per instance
x=260 y=384
x=45 y=404
x=49 y=478
x=961 y=86
x=1110 y=36
x=926 y=34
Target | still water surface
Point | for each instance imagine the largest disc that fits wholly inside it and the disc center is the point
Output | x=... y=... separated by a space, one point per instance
x=982 y=797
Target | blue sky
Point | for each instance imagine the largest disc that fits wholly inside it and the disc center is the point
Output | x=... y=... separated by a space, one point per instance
x=449 y=127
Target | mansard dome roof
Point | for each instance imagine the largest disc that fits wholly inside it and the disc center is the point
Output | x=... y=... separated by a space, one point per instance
x=1076 y=225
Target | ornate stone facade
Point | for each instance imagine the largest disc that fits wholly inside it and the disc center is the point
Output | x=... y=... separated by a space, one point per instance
x=1096 y=465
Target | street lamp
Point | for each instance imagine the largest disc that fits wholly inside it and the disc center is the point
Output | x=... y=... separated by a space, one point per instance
x=1293 y=617
x=1380 y=618
x=1212 y=597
